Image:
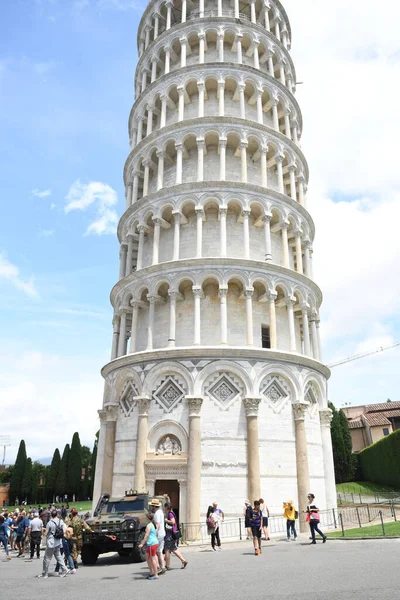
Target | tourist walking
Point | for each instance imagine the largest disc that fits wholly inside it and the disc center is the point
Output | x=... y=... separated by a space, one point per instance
x=172 y=535
x=313 y=519
x=4 y=535
x=213 y=528
x=289 y=514
x=55 y=532
x=22 y=532
x=35 y=534
x=265 y=517
x=219 y=517
x=159 y=522
x=247 y=510
x=256 y=527
x=150 y=539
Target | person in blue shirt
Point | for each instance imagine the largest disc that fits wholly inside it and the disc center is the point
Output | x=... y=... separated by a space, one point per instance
x=4 y=535
x=151 y=540
x=22 y=530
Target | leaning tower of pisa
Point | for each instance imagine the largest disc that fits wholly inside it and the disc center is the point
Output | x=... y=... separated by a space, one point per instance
x=215 y=390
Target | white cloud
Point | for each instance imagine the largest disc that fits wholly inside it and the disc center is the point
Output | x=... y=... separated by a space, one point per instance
x=46 y=232
x=81 y=196
x=11 y=273
x=41 y=193
x=52 y=205
x=44 y=67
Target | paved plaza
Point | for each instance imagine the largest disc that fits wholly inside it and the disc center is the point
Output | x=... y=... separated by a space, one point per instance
x=360 y=570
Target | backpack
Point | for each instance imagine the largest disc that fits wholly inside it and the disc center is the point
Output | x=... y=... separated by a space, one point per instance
x=59 y=532
x=296 y=514
x=249 y=512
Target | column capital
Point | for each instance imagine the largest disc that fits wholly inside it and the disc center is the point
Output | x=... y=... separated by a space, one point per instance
x=267 y=217
x=143 y=405
x=221 y=83
x=248 y=292
x=305 y=308
x=124 y=310
x=109 y=413
x=298 y=233
x=152 y=299
x=246 y=212
x=251 y=406
x=292 y=167
x=115 y=323
x=183 y=40
x=156 y=220
x=279 y=158
x=161 y=154
x=223 y=211
x=142 y=228
x=200 y=85
x=180 y=89
x=195 y=404
x=290 y=300
x=177 y=216
x=244 y=144
x=223 y=291
x=223 y=142
x=201 y=35
x=199 y=211
x=299 y=410
x=200 y=143
x=272 y=295
x=197 y=291
x=285 y=224
x=325 y=417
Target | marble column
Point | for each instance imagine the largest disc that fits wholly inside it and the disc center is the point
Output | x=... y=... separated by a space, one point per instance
x=249 y=316
x=303 y=478
x=264 y=170
x=267 y=235
x=194 y=462
x=306 y=330
x=128 y=264
x=251 y=406
x=222 y=158
x=223 y=292
x=290 y=302
x=221 y=98
x=246 y=233
x=177 y=233
x=272 y=296
x=179 y=158
x=314 y=337
x=222 y=220
x=108 y=418
x=160 y=170
x=142 y=230
x=156 y=240
x=201 y=88
x=135 y=311
x=150 y=329
x=114 y=349
x=285 y=244
x=122 y=260
x=325 y=418
x=243 y=161
x=299 y=252
x=172 y=318
x=197 y=294
x=122 y=333
x=200 y=159
x=199 y=231
x=141 y=443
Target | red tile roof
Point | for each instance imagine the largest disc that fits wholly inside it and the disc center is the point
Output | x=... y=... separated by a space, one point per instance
x=376 y=420
x=356 y=424
x=382 y=407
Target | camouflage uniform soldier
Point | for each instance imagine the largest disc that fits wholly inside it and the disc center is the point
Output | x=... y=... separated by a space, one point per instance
x=78 y=525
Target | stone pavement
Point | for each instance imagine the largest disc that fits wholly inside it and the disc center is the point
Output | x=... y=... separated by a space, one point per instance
x=337 y=570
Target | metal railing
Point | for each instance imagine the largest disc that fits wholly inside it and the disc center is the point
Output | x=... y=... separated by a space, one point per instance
x=376 y=496
x=214 y=13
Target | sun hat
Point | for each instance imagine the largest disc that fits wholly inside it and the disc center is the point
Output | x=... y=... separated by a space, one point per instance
x=155 y=502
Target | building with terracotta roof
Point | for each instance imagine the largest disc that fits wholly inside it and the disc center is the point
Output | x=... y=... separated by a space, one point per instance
x=370 y=423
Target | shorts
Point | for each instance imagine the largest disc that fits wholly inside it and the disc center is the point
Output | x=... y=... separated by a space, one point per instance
x=160 y=545
x=152 y=550
x=19 y=538
x=256 y=532
x=265 y=521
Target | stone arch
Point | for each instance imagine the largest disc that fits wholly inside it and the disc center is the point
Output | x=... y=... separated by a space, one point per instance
x=223 y=366
x=122 y=378
x=165 y=369
x=162 y=429
x=314 y=379
x=296 y=392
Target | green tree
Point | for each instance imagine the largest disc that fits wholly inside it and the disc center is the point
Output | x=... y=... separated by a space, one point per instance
x=93 y=463
x=38 y=471
x=75 y=466
x=52 y=476
x=62 y=477
x=18 y=473
x=348 y=464
x=338 y=446
x=5 y=476
x=26 y=487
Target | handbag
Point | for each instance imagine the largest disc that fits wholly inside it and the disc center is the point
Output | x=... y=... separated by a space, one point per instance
x=176 y=535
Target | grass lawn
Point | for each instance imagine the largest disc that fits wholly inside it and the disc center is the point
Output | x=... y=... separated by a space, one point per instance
x=371 y=531
x=81 y=506
x=365 y=488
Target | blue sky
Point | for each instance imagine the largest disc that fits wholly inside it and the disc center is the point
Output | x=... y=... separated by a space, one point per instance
x=66 y=90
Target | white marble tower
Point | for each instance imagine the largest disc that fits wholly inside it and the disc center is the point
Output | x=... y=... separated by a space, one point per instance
x=215 y=389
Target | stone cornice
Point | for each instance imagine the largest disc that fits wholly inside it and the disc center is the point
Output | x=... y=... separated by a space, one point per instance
x=193 y=265
x=152 y=6
x=214 y=68
x=179 y=30
x=223 y=186
x=216 y=353
x=197 y=123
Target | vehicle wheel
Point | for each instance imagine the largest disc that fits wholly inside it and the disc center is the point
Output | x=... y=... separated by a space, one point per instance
x=139 y=554
x=125 y=552
x=89 y=555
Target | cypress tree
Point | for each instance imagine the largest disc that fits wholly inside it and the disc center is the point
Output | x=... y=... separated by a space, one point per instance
x=62 y=478
x=75 y=466
x=347 y=447
x=337 y=445
x=26 y=487
x=93 y=463
x=18 y=473
x=51 y=480
x=37 y=472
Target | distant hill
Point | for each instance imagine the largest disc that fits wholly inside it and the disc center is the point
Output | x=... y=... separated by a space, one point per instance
x=44 y=461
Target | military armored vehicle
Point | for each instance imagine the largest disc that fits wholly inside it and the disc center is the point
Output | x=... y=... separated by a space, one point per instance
x=118 y=525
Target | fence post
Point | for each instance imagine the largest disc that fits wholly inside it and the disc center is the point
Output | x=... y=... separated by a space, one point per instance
x=369 y=515
x=334 y=518
x=360 y=498
x=383 y=526
x=341 y=523
x=394 y=512
x=240 y=529
x=352 y=498
x=358 y=516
